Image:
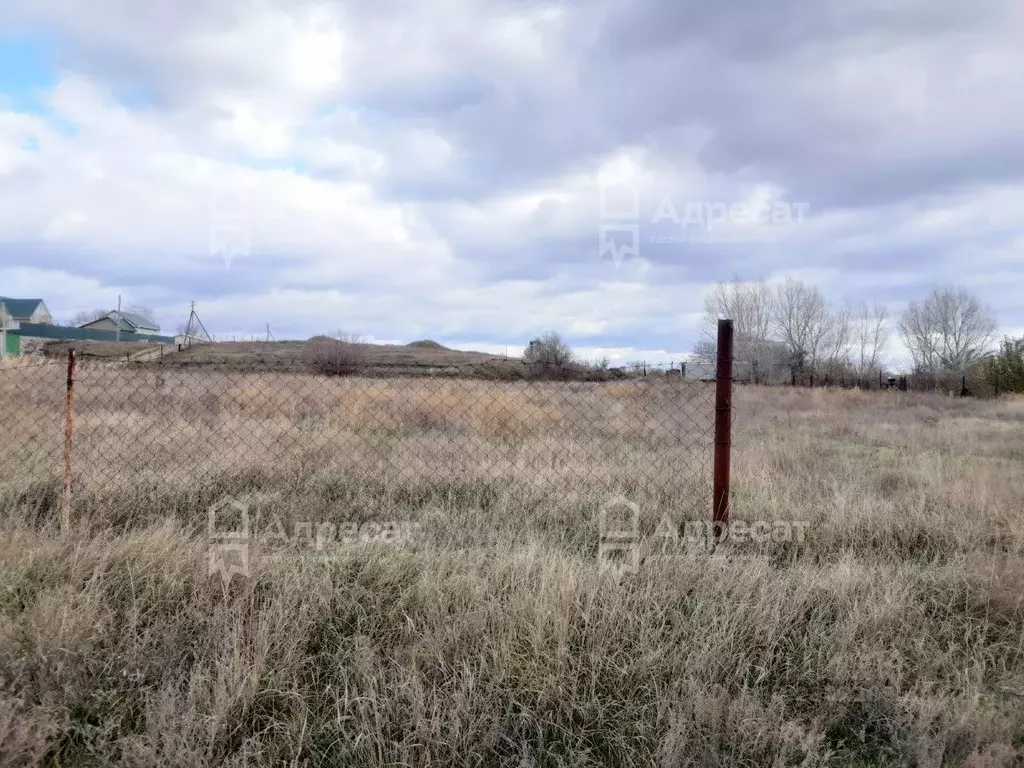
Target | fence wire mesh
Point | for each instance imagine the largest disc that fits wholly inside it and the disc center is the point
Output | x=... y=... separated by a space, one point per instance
x=155 y=440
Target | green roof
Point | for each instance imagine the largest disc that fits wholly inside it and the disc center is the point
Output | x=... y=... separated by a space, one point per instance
x=138 y=322
x=20 y=309
x=128 y=322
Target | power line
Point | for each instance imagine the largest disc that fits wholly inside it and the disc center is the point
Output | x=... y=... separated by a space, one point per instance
x=195 y=328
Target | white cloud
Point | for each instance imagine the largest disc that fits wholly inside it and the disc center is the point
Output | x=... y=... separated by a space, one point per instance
x=432 y=169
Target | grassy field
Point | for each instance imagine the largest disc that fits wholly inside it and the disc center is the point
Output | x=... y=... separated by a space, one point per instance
x=891 y=634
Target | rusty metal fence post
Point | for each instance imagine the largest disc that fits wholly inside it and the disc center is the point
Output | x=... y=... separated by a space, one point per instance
x=69 y=439
x=723 y=427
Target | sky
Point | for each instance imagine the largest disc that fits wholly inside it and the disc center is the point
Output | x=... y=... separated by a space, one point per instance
x=479 y=172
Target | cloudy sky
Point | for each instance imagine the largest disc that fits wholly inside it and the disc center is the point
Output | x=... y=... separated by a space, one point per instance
x=476 y=172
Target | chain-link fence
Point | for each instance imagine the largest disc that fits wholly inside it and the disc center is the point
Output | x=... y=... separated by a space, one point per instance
x=972 y=382
x=143 y=441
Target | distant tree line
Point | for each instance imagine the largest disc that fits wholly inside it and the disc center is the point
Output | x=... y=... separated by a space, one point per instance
x=791 y=330
x=791 y=334
x=1004 y=370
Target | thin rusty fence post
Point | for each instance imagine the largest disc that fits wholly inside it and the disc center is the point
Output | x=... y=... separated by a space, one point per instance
x=69 y=440
x=723 y=428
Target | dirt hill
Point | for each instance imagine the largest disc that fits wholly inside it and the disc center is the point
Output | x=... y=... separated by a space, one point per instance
x=418 y=358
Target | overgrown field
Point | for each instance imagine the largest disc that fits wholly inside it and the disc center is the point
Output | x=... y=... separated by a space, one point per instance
x=891 y=633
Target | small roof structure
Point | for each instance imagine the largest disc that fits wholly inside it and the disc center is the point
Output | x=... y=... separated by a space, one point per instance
x=137 y=323
x=22 y=309
x=129 y=322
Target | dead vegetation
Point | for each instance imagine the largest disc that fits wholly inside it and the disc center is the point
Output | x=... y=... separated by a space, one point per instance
x=335 y=355
x=891 y=636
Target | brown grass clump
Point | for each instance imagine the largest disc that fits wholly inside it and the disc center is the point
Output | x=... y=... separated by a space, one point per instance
x=339 y=355
x=891 y=635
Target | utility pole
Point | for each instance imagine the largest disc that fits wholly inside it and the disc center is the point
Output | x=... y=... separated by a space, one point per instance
x=194 y=326
x=3 y=330
x=119 y=317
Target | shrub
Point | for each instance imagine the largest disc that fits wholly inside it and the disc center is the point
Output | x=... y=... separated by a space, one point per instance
x=1004 y=371
x=426 y=344
x=548 y=349
x=339 y=354
x=548 y=356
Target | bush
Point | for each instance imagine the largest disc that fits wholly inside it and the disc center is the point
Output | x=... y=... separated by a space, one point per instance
x=340 y=354
x=1005 y=370
x=548 y=349
x=548 y=356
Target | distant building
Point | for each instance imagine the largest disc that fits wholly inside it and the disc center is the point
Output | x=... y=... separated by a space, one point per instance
x=26 y=324
x=125 y=322
x=14 y=312
x=704 y=371
x=700 y=371
x=27 y=310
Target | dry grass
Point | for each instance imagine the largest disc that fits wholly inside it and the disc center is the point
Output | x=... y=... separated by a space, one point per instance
x=891 y=636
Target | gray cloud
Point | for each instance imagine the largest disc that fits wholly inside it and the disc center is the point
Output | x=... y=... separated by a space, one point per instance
x=479 y=130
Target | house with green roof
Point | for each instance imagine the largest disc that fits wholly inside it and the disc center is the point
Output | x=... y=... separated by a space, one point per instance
x=25 y=324
x=123 y=322
x=14 y=312
x=26 y=310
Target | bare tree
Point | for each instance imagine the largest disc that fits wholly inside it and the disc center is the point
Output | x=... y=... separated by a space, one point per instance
x=838 y=337
x=88 y=316
x=142 y=311
x=916 y=331
x=548 y=349
x=801 y=319
x=749 y=306
x=705 y=350
x=947 y=331
x=548 y=356
x=870 y=336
